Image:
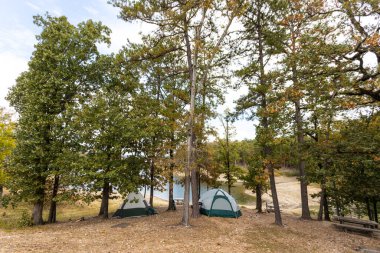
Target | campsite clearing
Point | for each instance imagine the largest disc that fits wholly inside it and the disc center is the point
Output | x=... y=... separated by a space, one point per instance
x=251 y=232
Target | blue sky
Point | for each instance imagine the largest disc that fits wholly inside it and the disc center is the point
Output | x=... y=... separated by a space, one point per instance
x=17 y=37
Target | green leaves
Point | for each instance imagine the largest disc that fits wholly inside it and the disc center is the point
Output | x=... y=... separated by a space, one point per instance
x=63 y=65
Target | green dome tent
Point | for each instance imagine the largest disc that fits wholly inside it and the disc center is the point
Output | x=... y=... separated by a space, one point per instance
x=134 y=205
x=217 y=202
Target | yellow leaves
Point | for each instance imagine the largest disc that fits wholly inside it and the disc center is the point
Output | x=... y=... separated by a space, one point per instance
x=292 y=19
x=374 y=40
x=267 y=162
x=261 y=178
x=276 y=106
x=348 y=104
x=315 y=6
x=7 y=142
x=357 y=38
x=232 y=4
x=272 y=109
x=284 y=22
x=296 y=4
x=294 y=93
x=207 y=4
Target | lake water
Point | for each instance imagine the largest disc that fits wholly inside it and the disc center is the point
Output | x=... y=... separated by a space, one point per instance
x=178 y=191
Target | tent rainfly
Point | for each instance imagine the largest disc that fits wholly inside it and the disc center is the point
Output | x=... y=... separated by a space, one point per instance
x=134 y=205
x=217 y=202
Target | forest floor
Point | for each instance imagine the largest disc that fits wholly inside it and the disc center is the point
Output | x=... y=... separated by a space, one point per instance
x=251 y=232
x=163 y=232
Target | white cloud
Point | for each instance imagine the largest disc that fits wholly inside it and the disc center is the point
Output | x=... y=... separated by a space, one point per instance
x=33 y=6
x=244 y=129
x=11 y=67
x=91 y=10
x=370 y=61
x=56 y=12
x=121 y=30
x=16 y=45
x=18 y=40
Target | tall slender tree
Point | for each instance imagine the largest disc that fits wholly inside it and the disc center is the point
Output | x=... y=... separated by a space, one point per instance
x=262 y=36
x=189 y=22
x=163 y=81
x=299 y=17
x=228 y=153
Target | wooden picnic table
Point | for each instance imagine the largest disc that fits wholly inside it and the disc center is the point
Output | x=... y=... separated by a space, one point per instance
x=353 y=224
x=178 y=201
x=364 y=223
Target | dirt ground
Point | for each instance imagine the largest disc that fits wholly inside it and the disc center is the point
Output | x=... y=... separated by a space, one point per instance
x=163 y=233
x=288 y=191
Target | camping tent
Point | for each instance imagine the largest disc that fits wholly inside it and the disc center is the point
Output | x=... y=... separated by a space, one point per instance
x=134 y=205
x=217 y=202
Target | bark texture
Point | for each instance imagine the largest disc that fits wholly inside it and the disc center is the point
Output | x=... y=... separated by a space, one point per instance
x=53 y=205
x=37 y=213
x=171 y=205
x=105 y=199
x=151 y=194
x=259 y=202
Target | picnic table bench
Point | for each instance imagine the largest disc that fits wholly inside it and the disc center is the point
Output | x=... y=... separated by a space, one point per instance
x=358 y=225
x=178 y=201
x=270 y=207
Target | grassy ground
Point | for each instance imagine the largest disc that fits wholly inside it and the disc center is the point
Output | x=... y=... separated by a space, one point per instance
x=251 y=232
x=18 y=217
x=163 y=233
x=14 y=217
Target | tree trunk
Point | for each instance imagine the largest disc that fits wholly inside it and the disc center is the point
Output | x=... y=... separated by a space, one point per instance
x=151 y=183
x=37 y=212
x=369 y=211
x=376 y=218
x=194 y=186
x=325 y=199
x=53 y=205
x=321 y=204
x=326 y=205
x=229 y=182
x=194 y=194
x=190 y=134
x=259 y=202
x=301 y=163
x=229 y=179
x=277 y=211
x=171 y=206
x=1 y=191
x=199 y=183
x=337 y=205
x=299 y=131
x=264 y=121
x=39 y=204
x=105 y=199
x=186 y=197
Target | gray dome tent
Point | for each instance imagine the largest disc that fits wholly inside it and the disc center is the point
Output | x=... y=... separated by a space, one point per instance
x=217 y=202
x=134 y=205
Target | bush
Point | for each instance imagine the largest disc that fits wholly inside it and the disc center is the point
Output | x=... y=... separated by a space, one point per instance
x=25 y=220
